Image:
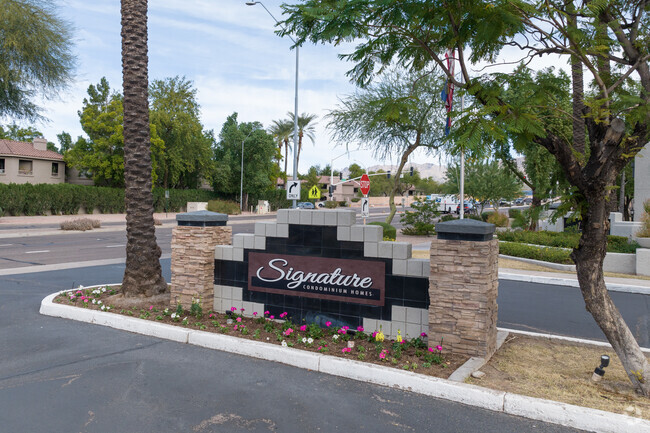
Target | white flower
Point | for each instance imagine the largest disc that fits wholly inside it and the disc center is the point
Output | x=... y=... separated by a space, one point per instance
x=284 y=343
x=335 y=337
x=108 y=308
x=99 y=302
x=173 y=315
x=310 y=340
x=94 y=301
x=103 y=289
x=267 y=338
x=304 y=340
x=103 y=307
x=166 y=310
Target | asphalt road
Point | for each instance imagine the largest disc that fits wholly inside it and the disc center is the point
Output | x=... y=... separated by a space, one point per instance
x=58 y=375
x=90 y=245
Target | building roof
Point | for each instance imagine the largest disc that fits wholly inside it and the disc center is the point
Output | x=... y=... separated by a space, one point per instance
x=19 y=148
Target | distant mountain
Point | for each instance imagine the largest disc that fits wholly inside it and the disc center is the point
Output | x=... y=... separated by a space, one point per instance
x=437 y=172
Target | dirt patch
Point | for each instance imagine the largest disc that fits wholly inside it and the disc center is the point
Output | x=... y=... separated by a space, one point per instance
x=561 y=371
x=355 y=344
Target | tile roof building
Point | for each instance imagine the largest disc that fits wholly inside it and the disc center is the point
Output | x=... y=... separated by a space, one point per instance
x=22 y=162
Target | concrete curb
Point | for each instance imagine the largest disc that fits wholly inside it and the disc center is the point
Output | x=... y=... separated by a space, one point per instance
x=498 y=401
x=571 y=282
x=556 y=266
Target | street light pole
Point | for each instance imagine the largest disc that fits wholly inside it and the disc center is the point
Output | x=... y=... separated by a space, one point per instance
x=295 y=110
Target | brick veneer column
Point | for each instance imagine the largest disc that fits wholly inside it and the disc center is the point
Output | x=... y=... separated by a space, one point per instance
x=463 y=287
x=193 y=243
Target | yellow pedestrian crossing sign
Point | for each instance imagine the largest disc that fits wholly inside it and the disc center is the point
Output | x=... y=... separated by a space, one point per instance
x=314 y=192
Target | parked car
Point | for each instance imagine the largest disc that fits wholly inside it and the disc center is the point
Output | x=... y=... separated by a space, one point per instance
x=320 y=204
x=504 y=202
x=467 y=208
x=528 y=201
x=305 y=205
x=519 y=201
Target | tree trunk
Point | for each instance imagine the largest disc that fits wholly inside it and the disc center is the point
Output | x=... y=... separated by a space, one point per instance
x=533 y=211
x=402 y=163
x=286 y=154
x=143 y=274
x=589 y=258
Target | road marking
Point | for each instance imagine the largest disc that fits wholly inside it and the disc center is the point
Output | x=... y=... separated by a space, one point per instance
x=114 y=246
x=36 y=252
x=6 y=245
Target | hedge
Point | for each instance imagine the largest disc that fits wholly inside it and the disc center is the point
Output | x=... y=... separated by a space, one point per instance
x=615 y=244
x=67 y=199
x=546 y=254
x=224 y=206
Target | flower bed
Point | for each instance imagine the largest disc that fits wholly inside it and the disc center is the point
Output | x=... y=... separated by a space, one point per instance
x=358 y=344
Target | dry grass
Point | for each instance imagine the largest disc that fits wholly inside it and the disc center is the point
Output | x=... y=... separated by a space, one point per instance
x=562 y=371
x=81 y=224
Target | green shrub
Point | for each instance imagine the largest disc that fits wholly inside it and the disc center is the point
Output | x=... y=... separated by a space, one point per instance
x=390 y=232
x=420 y=220
x=447 y=217
x=223 y=206
x=615 y=244
x=546 y=254
x=485 y=215
x=514 y=213
x=474 y=217
x=498 y=219
x=343 y=203
x=356 y=199
x=330 y=204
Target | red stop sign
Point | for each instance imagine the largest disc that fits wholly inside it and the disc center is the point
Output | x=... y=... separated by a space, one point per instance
x=365 y=184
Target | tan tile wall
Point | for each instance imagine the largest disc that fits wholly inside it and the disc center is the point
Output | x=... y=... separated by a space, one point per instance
x=463 y=288
x=193 y=263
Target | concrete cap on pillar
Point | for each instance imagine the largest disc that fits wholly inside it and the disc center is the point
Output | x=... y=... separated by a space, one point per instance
x=465 y=230
x=201 y=218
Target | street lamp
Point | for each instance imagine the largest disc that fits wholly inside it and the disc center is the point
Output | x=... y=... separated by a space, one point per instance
x=295 y=111
x=241 y=183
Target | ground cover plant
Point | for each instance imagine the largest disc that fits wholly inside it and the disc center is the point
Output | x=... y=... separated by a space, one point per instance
x=545 y=254
x=81 y=224
x=357 y=344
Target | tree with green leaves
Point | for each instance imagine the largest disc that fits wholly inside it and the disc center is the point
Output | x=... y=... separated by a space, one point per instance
x=282 y=131
x=100 y=155
x=610 y=123
x=485 y=181
x=397 y=115
x=186 y=158
x=142 y=273
x=36 y=58
x=260 y=172
x=306 y=128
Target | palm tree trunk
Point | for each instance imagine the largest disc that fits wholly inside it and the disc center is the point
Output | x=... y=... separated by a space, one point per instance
x=142 y=275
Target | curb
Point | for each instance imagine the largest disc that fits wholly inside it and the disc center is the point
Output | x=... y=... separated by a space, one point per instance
x=498 y=401
x=556 y=266
x=571 y=282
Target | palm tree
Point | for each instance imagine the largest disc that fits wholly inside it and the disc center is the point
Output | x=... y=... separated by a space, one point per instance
x=305 y=128
x=143 y=274
x=281 y=131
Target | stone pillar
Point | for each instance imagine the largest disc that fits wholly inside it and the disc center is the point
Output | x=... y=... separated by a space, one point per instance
x=193 y=244
x=463 y=287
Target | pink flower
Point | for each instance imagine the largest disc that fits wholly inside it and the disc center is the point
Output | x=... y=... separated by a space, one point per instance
x=86 y=300
x=288 y=332
x=359 y=328
x=374 y=334
x=233 y=309
x=439 y=348
x=342 y=331
x=283 y=315
x=267 y=313
x=303 y=328
x=242 y=310
x=431 y=349
x=382 y=355
x=424 y=334
x=210 y=315
x=254 y=313
x=328 y=324
x=346 y=328
x=151 y=308
x=239 y=319
x=235 y=328
x=346 y=350
x=272 y=317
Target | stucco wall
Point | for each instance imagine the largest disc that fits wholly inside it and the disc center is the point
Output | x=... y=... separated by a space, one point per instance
x=41 y=171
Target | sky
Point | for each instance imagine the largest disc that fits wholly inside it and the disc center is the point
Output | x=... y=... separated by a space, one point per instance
x=231 y=53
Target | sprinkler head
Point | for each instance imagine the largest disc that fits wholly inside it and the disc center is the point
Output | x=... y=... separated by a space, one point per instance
x=599 y=372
